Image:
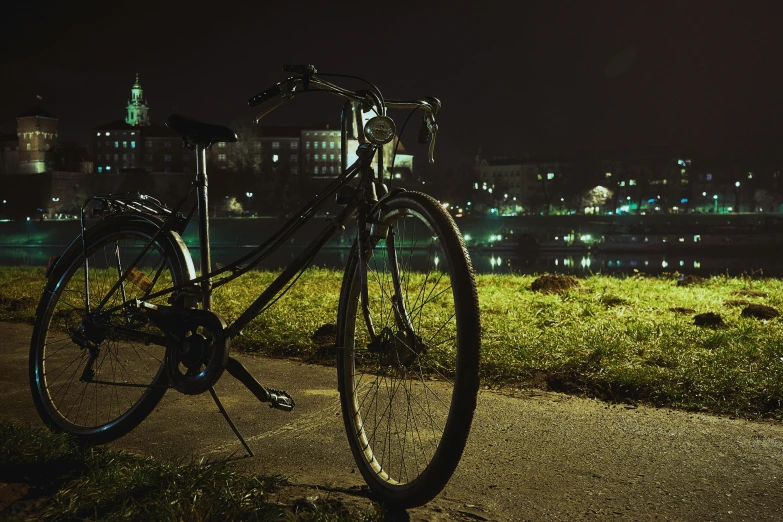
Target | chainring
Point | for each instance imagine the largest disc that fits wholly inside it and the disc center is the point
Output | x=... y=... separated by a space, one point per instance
x=196 y=351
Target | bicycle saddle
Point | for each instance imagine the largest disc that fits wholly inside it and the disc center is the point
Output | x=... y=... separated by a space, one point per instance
x=196 y=131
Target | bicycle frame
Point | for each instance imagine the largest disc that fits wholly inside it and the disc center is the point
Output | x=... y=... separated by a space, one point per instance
x=364 y=200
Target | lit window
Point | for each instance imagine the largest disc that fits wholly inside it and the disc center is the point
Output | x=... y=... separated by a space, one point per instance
x=107 y=135
x=108 y=167
x=540 y=177
x=116 y=144
x=550 y=175
x=315 y=170
x=331 y=144
x=275 y=144
x=331 y=170
x=323 y=157
x=622 y=183
x=307 y=144
x=750 y=175
x=708 y=177
x=167 y=157
x=100 y=169
x=315 y=144
x=339 y=144
x=331 y=157
x=275 y=157
x=133 y=133
x=28 y=146
x=221 y=145
x=133 y=144
x=98 y=135
x=323 y=144
x=294 y=144
x=608 y=174
x=221 y=157
x=632 y=182
x=124 y=144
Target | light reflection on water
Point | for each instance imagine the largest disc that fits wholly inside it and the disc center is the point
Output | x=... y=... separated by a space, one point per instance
x=486 y=261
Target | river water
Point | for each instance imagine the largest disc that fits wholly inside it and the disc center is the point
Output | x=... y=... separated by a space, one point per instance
x=489 y=261
x=32 y=243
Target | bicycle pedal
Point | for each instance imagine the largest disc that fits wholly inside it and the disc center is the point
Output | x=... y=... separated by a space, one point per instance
x=280 y=400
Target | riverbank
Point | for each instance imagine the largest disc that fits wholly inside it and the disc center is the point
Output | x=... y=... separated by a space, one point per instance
x=619 y=339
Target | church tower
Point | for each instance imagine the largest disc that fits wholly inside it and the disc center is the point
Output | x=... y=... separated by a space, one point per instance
x=137 y=107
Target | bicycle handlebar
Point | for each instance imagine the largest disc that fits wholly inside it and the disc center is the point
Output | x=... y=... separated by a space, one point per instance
x=287 y=88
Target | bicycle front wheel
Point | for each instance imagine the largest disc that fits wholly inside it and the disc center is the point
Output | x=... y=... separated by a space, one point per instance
x=98 y=373
x=408 y=363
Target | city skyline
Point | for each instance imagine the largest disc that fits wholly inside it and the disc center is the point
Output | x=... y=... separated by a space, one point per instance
x=541 y=79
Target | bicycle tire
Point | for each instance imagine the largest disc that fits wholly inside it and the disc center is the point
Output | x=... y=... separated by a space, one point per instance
x=439 y=383
x=129 y=377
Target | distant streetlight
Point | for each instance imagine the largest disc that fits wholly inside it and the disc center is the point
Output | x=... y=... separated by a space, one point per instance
x=53 y=199
x=715 y=198
x=249 y=194
x=736 y=196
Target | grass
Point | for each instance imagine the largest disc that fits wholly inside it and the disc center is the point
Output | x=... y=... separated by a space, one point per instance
x=67 y=482
x=613 y=338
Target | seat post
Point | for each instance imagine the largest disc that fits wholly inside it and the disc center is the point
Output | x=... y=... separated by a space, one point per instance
x=203 y=224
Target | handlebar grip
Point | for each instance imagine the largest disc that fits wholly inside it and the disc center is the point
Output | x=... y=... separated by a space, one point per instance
x=261 y=97
x=425 y=136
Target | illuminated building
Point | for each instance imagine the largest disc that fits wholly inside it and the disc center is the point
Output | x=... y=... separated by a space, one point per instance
x=37 y=134
x=136 y=144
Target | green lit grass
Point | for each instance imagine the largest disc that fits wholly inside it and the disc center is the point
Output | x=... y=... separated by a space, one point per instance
x=613 y=338
x=68 y=482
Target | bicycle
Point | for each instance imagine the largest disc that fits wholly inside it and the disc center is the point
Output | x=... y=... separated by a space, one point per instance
x=124 y=316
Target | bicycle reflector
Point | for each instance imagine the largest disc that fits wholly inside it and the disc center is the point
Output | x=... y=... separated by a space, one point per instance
x=379 y=130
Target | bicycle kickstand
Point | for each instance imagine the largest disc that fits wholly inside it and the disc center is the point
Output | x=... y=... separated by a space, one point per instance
x=277 y=398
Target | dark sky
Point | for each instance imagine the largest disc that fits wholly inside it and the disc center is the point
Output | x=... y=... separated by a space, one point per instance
x=516 y=78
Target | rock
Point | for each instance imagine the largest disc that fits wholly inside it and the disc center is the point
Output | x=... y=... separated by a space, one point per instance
x=326 y=330
x=709 y=319
x=553 y=283
x=760 y=311
x=325 y=339
x=690 y=280
x=750 y=293
x=736 y=302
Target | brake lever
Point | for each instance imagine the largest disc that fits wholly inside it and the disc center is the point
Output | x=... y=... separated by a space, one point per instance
x=434 y=132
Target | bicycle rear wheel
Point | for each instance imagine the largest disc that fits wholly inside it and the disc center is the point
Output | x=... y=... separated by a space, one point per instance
x=408 y=397
x=98 y=374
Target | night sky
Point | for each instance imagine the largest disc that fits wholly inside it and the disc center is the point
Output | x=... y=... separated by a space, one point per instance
x=535 y=78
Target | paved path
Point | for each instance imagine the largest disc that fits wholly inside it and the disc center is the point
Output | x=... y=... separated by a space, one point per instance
x=531 y=455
